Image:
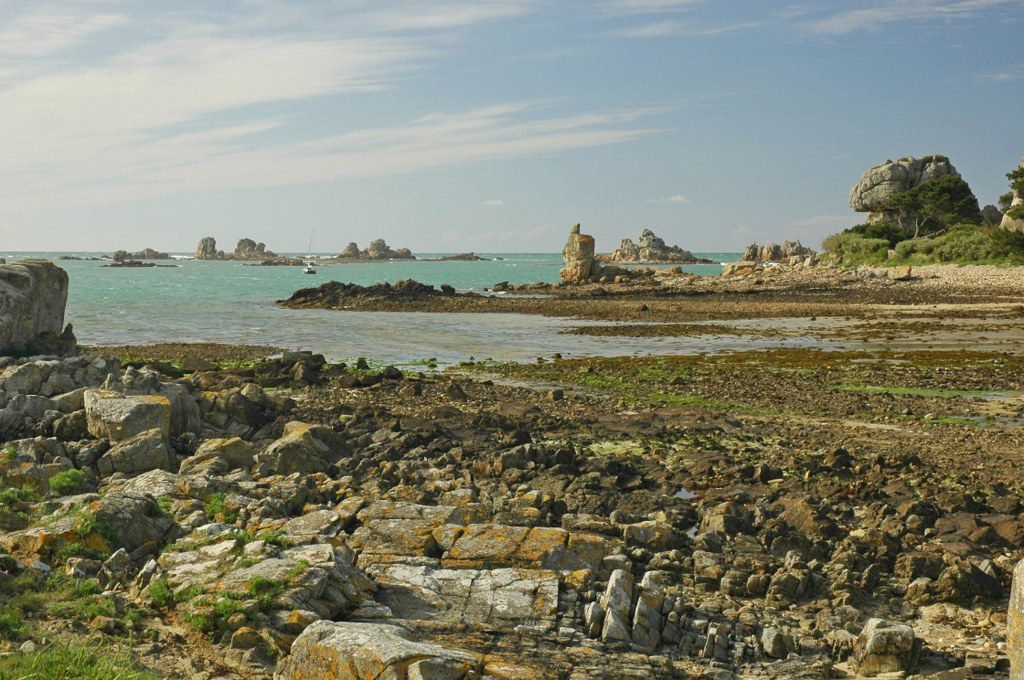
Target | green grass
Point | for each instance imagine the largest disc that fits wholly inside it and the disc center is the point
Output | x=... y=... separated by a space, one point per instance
x=217 y=510
x=67 y=482
x=72 y=662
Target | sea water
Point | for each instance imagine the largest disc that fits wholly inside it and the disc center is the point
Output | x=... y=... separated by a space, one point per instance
x=234 y=302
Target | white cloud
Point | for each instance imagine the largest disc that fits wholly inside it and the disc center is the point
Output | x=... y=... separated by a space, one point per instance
x=46 y=32
x=674 y=198
x=628 y=7
x=884 y=14
x=670 y=27
x=1008 y=76
x=192 y=102
x=493 y=203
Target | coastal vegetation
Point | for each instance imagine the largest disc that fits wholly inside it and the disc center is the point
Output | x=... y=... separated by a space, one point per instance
x=936 y=221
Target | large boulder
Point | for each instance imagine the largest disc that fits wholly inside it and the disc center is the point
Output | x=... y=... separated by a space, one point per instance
x=1011 y=223
x=302 y=448
x=118 y=417
x=247 y=249
x=354 y=651
x=1015 y=625
x=884 y=647
x=880 y=183
x=218 y=456
x=578 y=256
x=144 y=452
x=33 y=295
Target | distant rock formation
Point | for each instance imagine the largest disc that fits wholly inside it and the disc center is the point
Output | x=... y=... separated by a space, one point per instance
x=789 y=252
x=578 y=256
x=33 y=295
x=1010 y=222
x=246 y=249
x=377 y=250
x=650 y=248
x=144 y=254
x=880 y=183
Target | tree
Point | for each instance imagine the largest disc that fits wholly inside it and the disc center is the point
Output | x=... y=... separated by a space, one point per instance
x=991 y=216
x=935 y=205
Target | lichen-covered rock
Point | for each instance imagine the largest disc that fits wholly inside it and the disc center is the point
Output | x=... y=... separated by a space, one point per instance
x=355 y=651
x=33 y=295
x=578 y=256
x=884 y=647
x=118 y=417
x=217 y=456
x=302 y=448
x=144 y=452
x=1015 y=624
x=880 y=183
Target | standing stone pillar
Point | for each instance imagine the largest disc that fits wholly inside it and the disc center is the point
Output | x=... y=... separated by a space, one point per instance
x=578 y=256
x=1015 y=625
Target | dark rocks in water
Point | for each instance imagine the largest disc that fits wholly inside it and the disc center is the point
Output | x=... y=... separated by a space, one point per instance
x=334 y=293
x=461 y=257
x=33 y=295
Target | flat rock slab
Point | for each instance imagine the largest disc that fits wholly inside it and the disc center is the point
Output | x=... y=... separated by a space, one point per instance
x=498 y=597
x=117 y=417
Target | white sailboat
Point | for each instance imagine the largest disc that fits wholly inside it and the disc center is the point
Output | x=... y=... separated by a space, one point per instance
x=310 y=263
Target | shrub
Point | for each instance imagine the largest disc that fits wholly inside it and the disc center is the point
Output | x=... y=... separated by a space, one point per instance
x=965 y=244
x=853 y=248
x=68 y=482
x=217 y=510
x=160 y=593
x=11 y=624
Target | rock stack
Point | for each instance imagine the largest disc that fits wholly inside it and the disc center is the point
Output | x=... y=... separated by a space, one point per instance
x=790 y=252
x=578 y=256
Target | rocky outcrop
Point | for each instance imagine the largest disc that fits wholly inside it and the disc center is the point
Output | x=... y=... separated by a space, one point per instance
x=247 y=249
x=651 y=248
x=378 y=250
x=790 y=252
x=144 y=254
x=578 y=256
x=1011 y=221
x=33 y=295
x=880 y=183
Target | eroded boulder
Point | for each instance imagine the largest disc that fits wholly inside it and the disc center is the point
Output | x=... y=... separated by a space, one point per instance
x=118 y=417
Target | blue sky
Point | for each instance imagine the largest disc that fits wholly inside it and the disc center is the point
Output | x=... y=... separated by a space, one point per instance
x=487 y=126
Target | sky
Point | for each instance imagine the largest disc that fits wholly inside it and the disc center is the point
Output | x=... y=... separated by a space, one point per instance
x=491 y=126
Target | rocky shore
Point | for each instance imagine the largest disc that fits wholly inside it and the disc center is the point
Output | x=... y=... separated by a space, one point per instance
x=250 y=512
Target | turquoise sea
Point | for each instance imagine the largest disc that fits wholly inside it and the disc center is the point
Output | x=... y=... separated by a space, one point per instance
x=208 y=301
